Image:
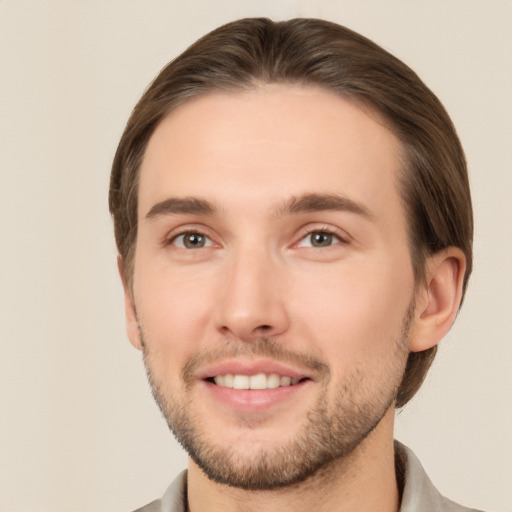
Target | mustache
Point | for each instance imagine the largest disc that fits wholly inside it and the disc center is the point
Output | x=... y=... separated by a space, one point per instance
x=262 y=347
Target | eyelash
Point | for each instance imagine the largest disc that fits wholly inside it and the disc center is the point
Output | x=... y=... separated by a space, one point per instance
x=172 y=240
x=344 y=239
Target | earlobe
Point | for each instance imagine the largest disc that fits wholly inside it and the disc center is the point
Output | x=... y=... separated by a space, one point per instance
x=132 y=323
x=438 y=300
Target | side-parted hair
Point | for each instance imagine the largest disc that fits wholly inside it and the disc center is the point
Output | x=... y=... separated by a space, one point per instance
x=241 y=55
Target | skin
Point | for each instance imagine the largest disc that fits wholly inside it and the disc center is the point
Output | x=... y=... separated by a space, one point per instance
x=257 y=276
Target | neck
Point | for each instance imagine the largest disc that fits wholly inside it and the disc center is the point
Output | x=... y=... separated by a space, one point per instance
x=365 y=480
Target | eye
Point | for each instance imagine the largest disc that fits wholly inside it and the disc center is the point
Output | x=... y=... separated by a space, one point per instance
x=319 y=239
x=191 y=240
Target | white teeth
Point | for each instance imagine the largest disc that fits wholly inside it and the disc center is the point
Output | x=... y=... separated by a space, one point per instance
x=241 y=382
x=273 y=381
x=285 y=381
x=258 y=381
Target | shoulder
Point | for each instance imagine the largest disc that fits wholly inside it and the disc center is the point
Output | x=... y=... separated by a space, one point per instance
x=174 y=498
x=419 y=493
x=154 y=506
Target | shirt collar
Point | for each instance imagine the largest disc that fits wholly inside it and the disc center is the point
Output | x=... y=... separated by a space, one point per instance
x=418 y=491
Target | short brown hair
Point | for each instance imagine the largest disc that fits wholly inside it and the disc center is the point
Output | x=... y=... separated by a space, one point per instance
x=239 y=55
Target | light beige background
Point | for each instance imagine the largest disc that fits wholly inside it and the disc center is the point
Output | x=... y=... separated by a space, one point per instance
x=78 y=428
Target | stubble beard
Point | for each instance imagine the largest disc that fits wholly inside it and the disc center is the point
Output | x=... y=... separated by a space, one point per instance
x=329 y=433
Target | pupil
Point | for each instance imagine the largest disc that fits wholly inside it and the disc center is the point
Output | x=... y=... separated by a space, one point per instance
x=322 y=239
x=194 y=240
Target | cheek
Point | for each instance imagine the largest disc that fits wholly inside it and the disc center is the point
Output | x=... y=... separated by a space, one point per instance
x=174 y=311
x=354 y=314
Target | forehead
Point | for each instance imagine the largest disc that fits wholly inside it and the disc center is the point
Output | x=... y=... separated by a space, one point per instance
x=259 y=146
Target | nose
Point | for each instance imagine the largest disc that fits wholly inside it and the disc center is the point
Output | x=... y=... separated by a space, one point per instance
x=252 y=302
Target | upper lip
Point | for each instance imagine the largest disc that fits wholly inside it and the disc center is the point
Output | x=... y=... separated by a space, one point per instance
x=250 y=367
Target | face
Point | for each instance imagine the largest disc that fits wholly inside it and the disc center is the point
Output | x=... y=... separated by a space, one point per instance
x=273 y=287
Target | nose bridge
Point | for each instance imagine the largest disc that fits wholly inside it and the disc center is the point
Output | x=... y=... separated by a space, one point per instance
x=252 y=301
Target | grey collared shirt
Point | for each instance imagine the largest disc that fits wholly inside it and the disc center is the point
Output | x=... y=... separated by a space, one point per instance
x=419 y=494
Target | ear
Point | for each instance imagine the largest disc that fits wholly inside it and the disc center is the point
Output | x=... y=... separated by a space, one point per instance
x=438 y=299
x=132 y=324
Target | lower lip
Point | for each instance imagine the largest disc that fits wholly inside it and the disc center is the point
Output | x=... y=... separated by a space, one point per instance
x=254 y=400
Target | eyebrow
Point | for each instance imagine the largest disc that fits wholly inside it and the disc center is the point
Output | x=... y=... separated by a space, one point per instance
x=306 y=203
x=181 y=205
x=309 y=203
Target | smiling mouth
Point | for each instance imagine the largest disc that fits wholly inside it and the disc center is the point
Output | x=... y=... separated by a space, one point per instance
x=257 y=381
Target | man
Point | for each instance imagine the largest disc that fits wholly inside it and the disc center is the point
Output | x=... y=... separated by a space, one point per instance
x=294 y=225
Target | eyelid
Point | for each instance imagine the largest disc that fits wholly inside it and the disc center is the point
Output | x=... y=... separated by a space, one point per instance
x=170 y=237
x=208 y=241
x=340 y=234
x=175 y=233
